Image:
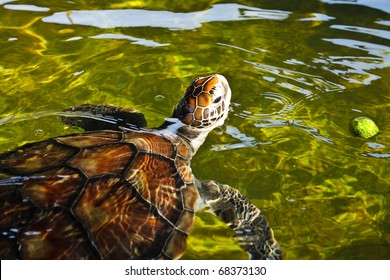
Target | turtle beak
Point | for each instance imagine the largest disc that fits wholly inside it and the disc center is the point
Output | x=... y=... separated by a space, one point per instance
x=227 y=90
x=223 y=106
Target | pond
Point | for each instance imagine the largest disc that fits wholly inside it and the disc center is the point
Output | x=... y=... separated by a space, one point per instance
x=299 y=72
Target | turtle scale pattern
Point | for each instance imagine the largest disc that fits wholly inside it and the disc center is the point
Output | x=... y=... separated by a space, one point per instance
x=111 y=195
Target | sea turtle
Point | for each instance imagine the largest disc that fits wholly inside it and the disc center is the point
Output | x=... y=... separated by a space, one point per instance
x=124 y=192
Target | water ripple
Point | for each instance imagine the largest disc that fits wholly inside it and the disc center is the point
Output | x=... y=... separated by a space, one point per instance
x=295 y=80
x=273 y=104
x=30 y=8
x=245 y=141
x=12 y=118
x=382 y=5
x=163 y=19
x=354 y=68
x=364 y=30
x=299 y=124
x=370 y=48
x=377 y=155
x=318 y=17
x=383 y=22
x=138 y=41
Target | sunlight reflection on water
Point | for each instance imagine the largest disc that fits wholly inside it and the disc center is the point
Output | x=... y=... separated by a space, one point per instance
x=139 y=17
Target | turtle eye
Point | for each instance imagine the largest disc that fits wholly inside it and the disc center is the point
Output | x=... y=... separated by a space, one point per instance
x=187 y=109
x=218 y=99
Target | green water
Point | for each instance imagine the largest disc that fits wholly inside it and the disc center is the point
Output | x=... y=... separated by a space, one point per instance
x=299 y=72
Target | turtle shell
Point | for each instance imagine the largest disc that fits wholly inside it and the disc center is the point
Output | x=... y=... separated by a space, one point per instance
x=106 y=194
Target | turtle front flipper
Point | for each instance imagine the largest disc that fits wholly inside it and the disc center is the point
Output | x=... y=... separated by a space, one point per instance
x=253 y=232
x=103 y=117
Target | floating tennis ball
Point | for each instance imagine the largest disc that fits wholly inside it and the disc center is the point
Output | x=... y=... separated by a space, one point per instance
x=364 y=127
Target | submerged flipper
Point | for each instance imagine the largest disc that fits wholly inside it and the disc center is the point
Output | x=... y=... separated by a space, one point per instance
x=253 y=232
x=102 y=117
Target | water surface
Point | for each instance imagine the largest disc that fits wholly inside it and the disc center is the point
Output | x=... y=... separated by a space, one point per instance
x=299 y=72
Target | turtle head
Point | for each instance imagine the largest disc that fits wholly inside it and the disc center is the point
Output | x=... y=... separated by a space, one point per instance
x=205 y=104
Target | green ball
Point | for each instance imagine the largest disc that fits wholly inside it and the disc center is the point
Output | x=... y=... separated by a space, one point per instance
x=364 y=127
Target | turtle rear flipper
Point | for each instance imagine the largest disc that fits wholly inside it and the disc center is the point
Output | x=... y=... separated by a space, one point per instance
x=103 y=117
x=253 y=232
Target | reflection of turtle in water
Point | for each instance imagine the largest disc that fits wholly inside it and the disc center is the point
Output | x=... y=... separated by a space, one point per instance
x=125 y=192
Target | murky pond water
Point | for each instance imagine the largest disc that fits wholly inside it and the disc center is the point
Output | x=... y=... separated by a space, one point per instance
x=299 y=72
